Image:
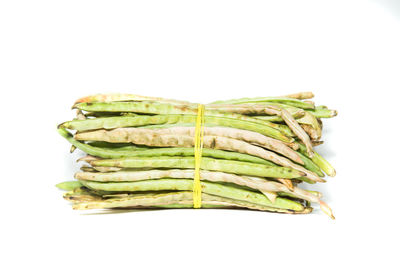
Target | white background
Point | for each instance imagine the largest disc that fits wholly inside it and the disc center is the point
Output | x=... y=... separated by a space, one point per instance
x=346 y=52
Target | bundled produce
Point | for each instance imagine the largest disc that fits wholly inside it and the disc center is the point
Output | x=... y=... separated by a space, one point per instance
x=147 y=152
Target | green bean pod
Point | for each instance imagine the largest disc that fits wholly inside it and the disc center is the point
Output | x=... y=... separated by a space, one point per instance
x=165 y=108
x=280 y=100
x=127 y=121
x=230 y=166
x=158 y=152
x=187 y=185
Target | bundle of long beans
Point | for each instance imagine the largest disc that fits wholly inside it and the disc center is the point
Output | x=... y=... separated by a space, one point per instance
x=257 y=151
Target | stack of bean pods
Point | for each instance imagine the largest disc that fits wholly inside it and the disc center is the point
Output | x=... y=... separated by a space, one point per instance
x=257 y=152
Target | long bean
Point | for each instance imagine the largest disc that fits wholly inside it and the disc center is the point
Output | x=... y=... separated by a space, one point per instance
x=251 y=182
x=187 y=185
x=154 y=138
x=165 y=108
x=117 y=122
x=282 y=100
x=157 y=152
x=178 y=200
x=228 y=166
x=125 y=97
x=243 y=135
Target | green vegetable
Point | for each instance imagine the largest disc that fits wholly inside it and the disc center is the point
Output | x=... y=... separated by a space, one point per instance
x=256 y=152
x=187 y=185
x=118 y=122
x=229 y=166
x=281 y=100
x=158 y=152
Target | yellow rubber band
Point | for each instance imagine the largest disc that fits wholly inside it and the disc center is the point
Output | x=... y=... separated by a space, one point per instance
x=198 y=149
